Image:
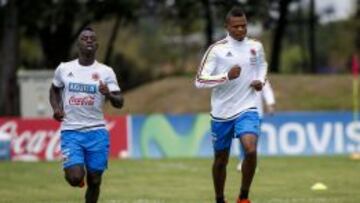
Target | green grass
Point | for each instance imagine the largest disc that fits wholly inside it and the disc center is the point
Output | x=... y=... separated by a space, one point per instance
x=279 y=180
x=292 y=93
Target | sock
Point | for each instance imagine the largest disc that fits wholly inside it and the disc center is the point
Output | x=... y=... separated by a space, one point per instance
x=244 y=194
x=220 y=200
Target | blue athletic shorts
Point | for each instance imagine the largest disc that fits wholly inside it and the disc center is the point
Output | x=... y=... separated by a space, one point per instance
x=89 y=148
x=224 y=131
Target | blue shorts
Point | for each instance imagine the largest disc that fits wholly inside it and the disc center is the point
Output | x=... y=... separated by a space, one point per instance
x=89 y=148
x=224 y=131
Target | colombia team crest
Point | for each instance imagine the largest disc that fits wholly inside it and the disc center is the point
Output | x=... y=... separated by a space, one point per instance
x=95 y=76
x=253 y=59
x=253 y=52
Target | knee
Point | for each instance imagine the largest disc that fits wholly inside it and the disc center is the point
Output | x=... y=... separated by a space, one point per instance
x=74 y=180
x=251 y=152
x=221 y=163
x=94 y=180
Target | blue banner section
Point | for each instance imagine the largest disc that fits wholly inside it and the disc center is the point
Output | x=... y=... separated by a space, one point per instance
x=285 y=133
x=309 y=133
x=161 y=135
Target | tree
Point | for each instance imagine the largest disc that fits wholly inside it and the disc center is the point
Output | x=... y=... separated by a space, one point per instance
x=9 y=57
x=357 y=17
x=208 y=16
x=279 y=35
x=312 y=37
x=58 y=23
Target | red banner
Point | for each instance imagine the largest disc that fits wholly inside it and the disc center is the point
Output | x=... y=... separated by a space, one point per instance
x=355 y=65
x=39 y=139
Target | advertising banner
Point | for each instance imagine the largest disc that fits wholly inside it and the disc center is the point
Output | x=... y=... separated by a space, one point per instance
x=39 y=139
x=160 y=135
x=188 y=135
x=310 y=133
x=285 y=133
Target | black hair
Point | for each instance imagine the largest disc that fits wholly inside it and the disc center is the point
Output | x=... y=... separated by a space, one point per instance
x=236 y=11
x=88 y=28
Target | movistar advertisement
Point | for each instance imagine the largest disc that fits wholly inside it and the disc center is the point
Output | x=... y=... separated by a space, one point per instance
x=290 y=133
x=160 y=135
x=309 y=133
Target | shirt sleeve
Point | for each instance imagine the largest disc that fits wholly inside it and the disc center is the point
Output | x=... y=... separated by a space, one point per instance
x=262 y=65
x=205 y=77
x=57 y=80
x=111 y=81
x=268 y=94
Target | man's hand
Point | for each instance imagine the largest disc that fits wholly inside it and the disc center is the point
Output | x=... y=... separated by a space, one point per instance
x=234 y=72
x=103 y=88
x=59 y=115
x=257 y=85
x=270 y=109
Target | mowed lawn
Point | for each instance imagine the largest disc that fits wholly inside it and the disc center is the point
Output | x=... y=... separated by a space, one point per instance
x=278 y=180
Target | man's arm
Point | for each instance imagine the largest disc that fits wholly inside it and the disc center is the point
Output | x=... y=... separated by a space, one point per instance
x=56 y=103
x=262 y=67
x=205 y=77
x=116 y=98
x=269 y=98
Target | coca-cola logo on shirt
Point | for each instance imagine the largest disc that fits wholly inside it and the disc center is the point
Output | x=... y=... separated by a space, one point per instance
x=82 y=101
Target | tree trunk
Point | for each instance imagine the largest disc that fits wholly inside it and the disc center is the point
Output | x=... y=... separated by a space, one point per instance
x=110 y=44
x=312 y=37
x=209 y=23
x=9 y=94
x=56 y=45
x=357 y=36
x=279 y=33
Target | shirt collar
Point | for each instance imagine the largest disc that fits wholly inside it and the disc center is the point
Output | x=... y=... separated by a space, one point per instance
x=89 y=66
x=234 y=41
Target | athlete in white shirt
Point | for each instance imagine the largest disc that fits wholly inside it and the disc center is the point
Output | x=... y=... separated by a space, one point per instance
x=77 y=95
x=235 y=68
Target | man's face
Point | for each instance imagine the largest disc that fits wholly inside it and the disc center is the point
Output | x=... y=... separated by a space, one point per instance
x=87 y=42
x=237 y=27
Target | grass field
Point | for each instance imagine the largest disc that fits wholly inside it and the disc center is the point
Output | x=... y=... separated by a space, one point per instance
x=178 y=95
x=279 y=180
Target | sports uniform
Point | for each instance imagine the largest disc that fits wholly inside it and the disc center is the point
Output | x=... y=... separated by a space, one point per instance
x=233 y=102
x=84 y=138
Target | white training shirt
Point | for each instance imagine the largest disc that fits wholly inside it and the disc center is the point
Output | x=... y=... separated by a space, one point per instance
x=82 y=101
x=231 y=97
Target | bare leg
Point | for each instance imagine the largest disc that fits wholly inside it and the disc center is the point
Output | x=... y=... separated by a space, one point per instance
x=249 y=144
x=219 y=172
x=74 y=175
x=93 y=189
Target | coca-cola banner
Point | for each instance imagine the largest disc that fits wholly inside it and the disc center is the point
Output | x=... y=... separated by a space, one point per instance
x=39 y=139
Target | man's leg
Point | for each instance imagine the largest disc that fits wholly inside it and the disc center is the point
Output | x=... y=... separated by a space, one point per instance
x=241 y=158
x=74 y=175
x=219 y=173
x=73 y=157
x=96 y=162
x=93 y=189
x=249 y=144
x=222 y=133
